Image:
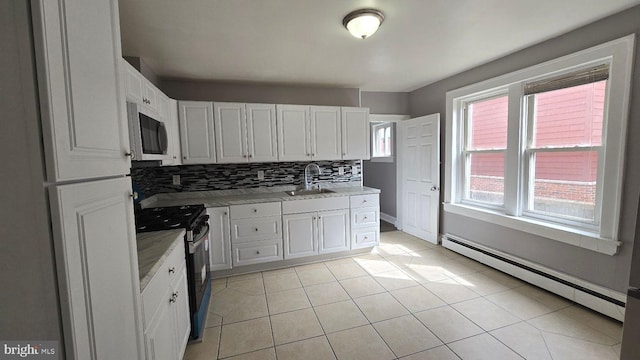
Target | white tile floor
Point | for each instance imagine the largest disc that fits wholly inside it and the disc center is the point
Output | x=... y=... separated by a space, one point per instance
x=406 y=300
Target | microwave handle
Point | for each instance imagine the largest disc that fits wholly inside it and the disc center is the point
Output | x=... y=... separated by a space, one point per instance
x=162 y=137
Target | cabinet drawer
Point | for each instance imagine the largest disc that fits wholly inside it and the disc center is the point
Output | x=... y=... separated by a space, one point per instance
x=365 y=217
x=168 y=273
x=258 y=229
x=255 y=210
x=174 y=262
x=358 y=201
x=257 y=252
x=365 y=237
x=310 y=205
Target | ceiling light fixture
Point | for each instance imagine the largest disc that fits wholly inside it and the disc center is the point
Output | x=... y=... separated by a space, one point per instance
x=363 y=23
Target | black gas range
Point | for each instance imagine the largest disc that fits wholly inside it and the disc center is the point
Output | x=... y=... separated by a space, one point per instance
x=194 y=219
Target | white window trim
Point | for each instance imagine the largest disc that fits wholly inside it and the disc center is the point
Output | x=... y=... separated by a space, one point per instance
x=375 y=119
x=619 y=53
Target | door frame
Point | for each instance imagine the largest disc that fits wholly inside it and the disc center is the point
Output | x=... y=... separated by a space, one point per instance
x=399 y=165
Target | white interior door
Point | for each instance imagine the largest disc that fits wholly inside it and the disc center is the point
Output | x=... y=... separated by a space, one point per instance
x=420 y=176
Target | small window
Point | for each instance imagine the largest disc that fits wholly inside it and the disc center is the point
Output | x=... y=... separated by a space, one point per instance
x=382 y=142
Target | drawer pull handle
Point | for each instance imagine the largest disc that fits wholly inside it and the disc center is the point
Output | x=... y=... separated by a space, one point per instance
x=225 y=213
x=255 y=210
x=364 y=218
x=256 y=229
x=257 y=252
x=366 y=237
x=364 y=201
x=172 y=270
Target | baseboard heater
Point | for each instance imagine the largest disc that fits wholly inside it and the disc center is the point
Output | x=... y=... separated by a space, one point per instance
x=595 y=297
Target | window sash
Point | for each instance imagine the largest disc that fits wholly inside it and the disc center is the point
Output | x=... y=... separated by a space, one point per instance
x=465 y=179
x=378 y=150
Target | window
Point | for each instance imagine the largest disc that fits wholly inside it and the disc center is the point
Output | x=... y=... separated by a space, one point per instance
x=485 y=146
x=382 y=141
x=541 y=150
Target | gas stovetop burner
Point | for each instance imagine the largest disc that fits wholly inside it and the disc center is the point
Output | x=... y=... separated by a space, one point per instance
x=167 y=218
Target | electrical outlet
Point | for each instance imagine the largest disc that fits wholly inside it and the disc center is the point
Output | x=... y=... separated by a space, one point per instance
x=176 y=179
x=341 y=170
x=260 y=174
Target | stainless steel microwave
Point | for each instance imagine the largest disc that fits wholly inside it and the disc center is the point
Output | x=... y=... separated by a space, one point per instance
x=148 y=135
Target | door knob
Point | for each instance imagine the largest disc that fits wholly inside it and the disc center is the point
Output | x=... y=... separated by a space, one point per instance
x=435 y=188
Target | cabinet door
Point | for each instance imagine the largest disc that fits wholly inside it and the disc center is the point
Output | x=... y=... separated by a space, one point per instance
x=97 y=269
x=333 y=231
x=261 y=133
x=160 y=336
x=219 y=238
x=82 y=101
x=231 y=132
x=325 y=133
x=356 y=136
x=133 y=82
x=293 y=133
x=173 y=133
x=196 y=132
x=300 y=235
x=150 y=95
x=180 y=307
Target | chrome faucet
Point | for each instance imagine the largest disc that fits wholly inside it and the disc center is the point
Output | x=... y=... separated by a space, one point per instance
x=307 y=184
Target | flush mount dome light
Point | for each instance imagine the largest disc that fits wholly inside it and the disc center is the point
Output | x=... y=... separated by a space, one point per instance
x=363 y=23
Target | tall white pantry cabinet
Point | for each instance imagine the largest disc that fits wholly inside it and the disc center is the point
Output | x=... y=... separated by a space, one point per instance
x=84 y=130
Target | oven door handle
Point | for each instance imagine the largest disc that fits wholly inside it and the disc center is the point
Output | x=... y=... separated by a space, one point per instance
x=193 y=245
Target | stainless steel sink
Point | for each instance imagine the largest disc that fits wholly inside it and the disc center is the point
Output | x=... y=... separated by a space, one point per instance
x=308 y=192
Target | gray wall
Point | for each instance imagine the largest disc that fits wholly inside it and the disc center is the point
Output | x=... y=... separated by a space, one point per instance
x=260 y=93
x=144 y=69
x=28 y=300
x=382 y=175
x=380 y=102
x=608 y=271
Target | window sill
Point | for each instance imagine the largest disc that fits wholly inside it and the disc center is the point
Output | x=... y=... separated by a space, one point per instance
x=580 y=238
x=386 y=159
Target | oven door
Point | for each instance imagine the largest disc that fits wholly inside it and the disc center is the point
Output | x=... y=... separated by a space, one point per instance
x=199 y=265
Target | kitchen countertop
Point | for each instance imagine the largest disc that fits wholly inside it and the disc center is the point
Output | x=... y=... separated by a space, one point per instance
x=153 y=249
x=247 y=196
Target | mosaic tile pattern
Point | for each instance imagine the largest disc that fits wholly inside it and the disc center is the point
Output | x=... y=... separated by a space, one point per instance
x=154 y=180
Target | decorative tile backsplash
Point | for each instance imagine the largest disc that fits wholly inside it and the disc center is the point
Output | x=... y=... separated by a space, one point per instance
x=154 y=180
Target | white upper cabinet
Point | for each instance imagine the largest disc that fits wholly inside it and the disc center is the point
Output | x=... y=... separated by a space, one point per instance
x=169 y=114
x=293 y=133
x=231 y=132
x=356 y=137
x=245 y=132
x=262 y=143
x=140 y=90
x=196 y=132
x=326 y=142
x=82 y=102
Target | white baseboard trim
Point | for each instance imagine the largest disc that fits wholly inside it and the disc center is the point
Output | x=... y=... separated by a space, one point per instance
x=605 y=301
x=388 y=218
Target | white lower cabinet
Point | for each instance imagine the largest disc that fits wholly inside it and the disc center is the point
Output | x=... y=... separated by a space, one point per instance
x=219 y=238
x=333 y=231
x=165 y=307
x=256 y=233
x=317 y=232
x=365 y=221
x=300 y=235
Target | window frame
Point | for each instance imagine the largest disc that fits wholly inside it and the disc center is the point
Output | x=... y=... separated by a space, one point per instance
x=464 y=166
x=603 y=238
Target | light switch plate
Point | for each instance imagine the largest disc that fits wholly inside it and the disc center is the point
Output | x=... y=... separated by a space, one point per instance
x=260 y=174
x=340 y=170
x=176 y=179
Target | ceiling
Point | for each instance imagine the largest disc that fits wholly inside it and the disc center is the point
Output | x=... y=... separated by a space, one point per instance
x=303 y=41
